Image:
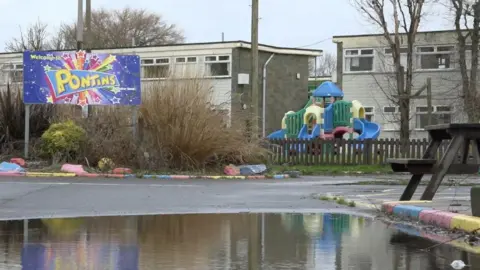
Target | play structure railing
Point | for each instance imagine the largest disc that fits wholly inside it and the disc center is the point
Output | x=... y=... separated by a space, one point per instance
x=342 y=113
x=344 y=152
x=294 y=123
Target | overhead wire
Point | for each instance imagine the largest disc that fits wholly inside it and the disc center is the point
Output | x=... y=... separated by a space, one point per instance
x=315 y=43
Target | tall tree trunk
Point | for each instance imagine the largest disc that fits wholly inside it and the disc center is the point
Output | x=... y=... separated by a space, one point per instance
x=469 y=79
x=472 y=90
x=404 y=107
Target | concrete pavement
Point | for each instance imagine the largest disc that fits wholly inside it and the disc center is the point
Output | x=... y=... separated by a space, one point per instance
x=22 y=198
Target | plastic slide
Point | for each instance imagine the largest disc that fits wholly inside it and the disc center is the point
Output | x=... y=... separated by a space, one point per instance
x=366 y=129
x=303 y=134
x=279 y=134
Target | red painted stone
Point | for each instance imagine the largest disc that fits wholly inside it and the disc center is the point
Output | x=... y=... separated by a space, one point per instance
x=122 y=171
x=18 y=161
x=388 y=207
x=436 y=217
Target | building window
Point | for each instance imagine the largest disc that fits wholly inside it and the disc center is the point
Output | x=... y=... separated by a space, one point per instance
x=155 y=68
x=390 y=109
x=391 y=118
x=389 y=65
x=186 y=66
x=440 y=115
x=369 y=113
x=12 y=72
x=359 y=60
x=216 y=66
x=180 y=60
x=435 y=57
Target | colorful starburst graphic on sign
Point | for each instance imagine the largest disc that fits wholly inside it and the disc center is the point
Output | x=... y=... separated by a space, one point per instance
x=81 y=78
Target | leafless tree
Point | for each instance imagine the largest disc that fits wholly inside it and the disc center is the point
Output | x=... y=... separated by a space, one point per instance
x=406 y=15
x=325 y=65
x=35 y=39
x=121 y=28
x=110 y=28
x=467 y=26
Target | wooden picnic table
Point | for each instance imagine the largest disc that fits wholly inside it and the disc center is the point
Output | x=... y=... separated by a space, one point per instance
x=461 y=136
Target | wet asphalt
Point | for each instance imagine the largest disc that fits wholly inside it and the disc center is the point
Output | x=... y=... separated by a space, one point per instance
x=29 y=198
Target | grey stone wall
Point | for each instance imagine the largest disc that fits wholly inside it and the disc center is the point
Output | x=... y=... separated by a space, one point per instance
x=284 y=91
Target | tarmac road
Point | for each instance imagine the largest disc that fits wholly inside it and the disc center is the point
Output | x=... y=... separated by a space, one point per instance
x=30 y=198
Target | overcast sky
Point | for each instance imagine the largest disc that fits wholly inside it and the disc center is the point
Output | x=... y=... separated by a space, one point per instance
x=299 y=23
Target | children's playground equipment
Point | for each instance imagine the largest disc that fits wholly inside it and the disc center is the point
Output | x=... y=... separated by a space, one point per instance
x=327 y=116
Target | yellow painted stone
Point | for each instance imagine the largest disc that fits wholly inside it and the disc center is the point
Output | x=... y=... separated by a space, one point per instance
x=465 y=223
x=410 y=202
x=233 y=177
x=39 y=174
x=64 y=174
x=465 y=246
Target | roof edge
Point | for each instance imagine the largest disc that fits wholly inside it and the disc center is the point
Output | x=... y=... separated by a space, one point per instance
x=377 y=34
x=234 y=44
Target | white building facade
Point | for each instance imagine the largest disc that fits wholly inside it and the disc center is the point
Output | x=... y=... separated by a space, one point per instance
x=368 y=76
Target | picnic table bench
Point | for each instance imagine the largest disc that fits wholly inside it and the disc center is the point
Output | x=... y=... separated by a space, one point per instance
x=461 y=136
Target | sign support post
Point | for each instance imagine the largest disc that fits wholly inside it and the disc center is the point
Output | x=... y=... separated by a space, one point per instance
x=27 y=130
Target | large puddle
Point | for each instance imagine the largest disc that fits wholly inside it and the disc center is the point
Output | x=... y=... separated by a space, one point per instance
x=218 y=241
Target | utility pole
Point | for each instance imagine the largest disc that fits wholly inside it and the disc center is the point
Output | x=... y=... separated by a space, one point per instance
x=88 y=39
x=88 y=26
x=80 y=25
x=254 y=78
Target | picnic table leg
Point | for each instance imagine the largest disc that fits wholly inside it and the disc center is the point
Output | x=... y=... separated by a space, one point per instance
x=476 y=150
x=466 y=146
x=411 y=187
x=442 y=167
x=416 y=178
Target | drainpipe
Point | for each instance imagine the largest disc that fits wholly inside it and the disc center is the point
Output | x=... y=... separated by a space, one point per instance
x=265 y=93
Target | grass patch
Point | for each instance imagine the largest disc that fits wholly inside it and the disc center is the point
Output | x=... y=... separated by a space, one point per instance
x=338 y=200
x=334 y=169
x=341 y=201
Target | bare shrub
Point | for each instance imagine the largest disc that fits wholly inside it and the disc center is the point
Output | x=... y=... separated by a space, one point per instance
x=109 y=133
x=183 y=127
x=12 y=120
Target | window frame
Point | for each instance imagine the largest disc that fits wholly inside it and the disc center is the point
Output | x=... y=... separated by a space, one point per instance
x=156 y=62
x=397 y=111
x=185 y=66
x=6 y=70
x=419 y=54
x=206 y=62
x=359 y=55
x=434 y=111
x=388 y=55
x=372 y=113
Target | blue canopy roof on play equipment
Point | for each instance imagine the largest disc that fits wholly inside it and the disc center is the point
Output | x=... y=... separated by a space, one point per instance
x=328 y=89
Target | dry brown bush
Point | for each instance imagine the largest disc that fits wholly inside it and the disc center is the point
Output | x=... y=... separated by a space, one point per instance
x=109 y=133
x=181 y=126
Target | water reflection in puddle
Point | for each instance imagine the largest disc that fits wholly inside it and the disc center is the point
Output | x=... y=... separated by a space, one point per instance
x=217 y=241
